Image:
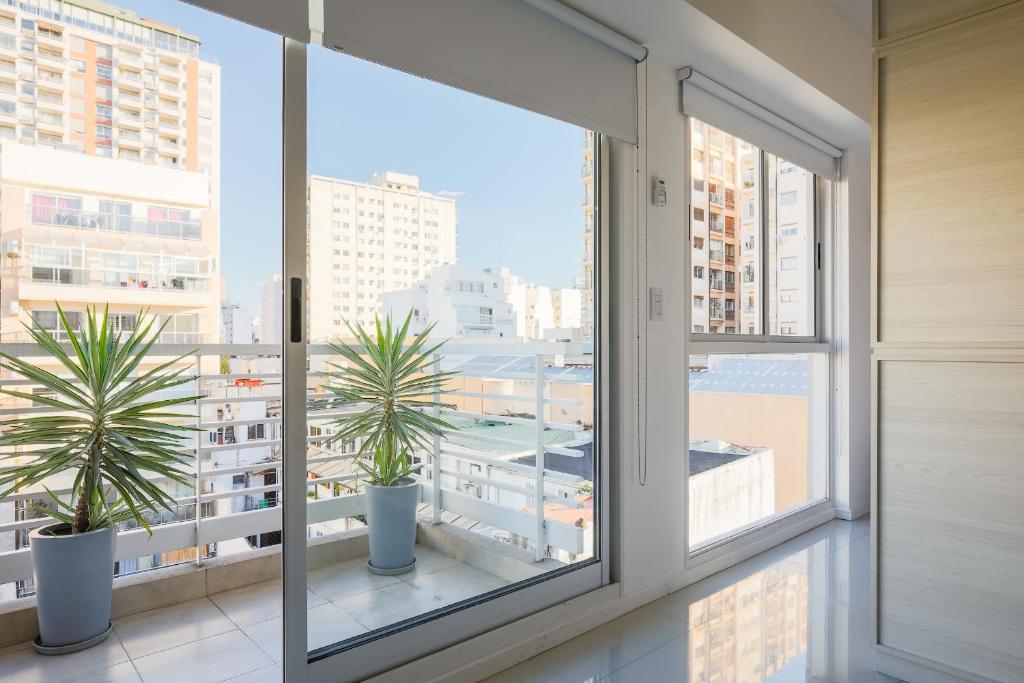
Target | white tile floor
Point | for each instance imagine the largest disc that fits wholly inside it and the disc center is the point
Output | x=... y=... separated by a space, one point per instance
x=236 y=635
x=796 y=613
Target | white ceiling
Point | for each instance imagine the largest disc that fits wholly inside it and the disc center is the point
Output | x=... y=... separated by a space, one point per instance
x=678 y=35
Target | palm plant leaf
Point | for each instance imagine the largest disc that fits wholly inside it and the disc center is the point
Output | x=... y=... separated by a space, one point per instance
x=387 y=382
x=115 y=432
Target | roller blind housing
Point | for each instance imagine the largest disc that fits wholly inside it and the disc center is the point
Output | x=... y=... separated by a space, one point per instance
x=713 y=103
x=502 y=49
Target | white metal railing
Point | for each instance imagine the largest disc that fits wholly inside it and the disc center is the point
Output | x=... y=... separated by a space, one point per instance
x=478 y=474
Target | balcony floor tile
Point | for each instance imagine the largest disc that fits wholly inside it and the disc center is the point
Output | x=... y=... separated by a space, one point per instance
x=21 y=663
x=161 y=629
x=210 y=660
x=259 y=602
x=326 y=624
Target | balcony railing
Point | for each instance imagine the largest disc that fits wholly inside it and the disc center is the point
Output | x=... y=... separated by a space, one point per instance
x=93 y=220
x=488 y=470
x=122 y=279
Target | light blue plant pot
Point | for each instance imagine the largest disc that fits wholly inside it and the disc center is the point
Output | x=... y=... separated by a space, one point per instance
x=391 y=516
x=74 y=577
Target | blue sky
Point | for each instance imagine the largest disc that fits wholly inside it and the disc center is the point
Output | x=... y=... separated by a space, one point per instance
x=516 y=173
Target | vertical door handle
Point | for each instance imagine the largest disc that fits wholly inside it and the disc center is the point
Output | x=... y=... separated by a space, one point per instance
x=295 y=322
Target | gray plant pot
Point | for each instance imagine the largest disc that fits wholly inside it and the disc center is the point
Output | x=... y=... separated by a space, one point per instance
x=74 y=576
x=391 y=516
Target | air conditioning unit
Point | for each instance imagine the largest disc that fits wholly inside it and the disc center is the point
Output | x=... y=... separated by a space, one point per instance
x=12 y=249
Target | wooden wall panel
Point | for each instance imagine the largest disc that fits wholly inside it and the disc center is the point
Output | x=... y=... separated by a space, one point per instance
x=950 y=118
x=902 y=17
x=951 y=514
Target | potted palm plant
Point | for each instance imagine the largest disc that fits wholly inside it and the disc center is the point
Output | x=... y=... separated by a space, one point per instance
x=387 y=382
x=111 y=432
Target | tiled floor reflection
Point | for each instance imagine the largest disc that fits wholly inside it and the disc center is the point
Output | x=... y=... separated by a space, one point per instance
x=236 y=635
x=797 y=613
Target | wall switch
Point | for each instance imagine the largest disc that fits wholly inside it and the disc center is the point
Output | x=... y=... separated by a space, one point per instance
x=655 y=303
x=659 y=192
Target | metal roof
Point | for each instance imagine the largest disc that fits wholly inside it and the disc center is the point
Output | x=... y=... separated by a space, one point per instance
x=770 y=375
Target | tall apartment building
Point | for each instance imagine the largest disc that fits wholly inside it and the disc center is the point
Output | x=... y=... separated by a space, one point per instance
x=271 y=310
x=109 y=168
x=586 y=283
x=726 y=240
x=718 y=162
x=369 y=238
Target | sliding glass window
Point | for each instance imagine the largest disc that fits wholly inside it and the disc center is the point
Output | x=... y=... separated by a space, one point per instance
x=463 y=227
x=758 y=367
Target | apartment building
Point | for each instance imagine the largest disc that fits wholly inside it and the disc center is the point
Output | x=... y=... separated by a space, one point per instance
x=369 y=238
x=460 y=302
x=539 y=309
x=725 y=221
x=586 y=278
x=719 y=232
x=109 y=163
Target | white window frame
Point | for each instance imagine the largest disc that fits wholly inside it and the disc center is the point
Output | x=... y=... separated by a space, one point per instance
x=360 y=658
x=725 y=551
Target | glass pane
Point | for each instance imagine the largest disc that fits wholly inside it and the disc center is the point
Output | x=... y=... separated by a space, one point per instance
x=463 y=216
x=758 y=439
x=725 y=228
x=186 y=224
x=791 y=249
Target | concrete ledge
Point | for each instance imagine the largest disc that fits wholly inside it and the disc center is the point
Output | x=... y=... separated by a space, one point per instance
x=166 y=586
x=494 y=557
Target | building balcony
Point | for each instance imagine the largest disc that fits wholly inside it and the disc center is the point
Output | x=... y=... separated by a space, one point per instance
x=129 y=58
x=51 y=58
x=125 y=118
x=91 y=220
x=49 y=37
x=50 y=102
x=716 y=198
x=482 y=531
x=50 y=80
x=54 y=126
x=96 y=286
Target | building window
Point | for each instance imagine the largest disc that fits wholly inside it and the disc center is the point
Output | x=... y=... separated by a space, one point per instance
x=698 y=213
x=698 y=272
x=753 y=411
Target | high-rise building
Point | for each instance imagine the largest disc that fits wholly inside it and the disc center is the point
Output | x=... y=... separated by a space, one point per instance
x=585 y=282
x=726 y=238
x=271 y=310
x=718 y=162
x=109 y=164
x=369 y=238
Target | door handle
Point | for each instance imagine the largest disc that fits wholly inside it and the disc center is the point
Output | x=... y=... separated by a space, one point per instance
x=295 y=307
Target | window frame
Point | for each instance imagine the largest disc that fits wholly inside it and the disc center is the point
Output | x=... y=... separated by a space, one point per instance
x=720 y=553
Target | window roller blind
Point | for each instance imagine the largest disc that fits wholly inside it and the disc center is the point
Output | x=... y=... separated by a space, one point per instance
x=288 y=18
x=502 y=49
x=718 y=106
